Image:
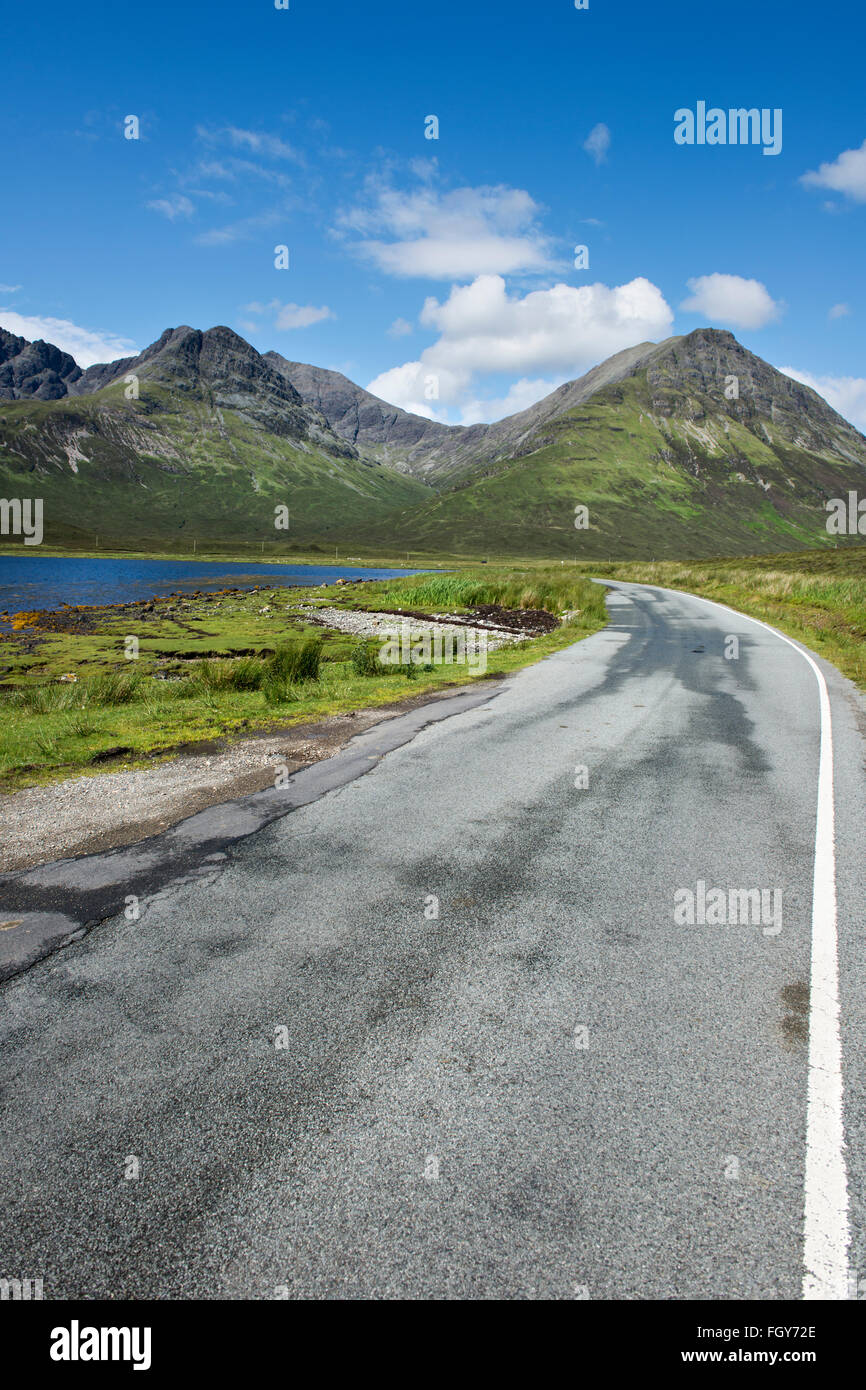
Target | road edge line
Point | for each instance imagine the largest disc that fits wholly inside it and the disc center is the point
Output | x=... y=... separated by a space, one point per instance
x=825 y=1223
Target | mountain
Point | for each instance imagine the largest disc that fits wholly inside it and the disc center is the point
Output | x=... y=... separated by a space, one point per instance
x=215 y=440
x=693 y=446
x=378 y=429
x=37 y=369
x=427 y=447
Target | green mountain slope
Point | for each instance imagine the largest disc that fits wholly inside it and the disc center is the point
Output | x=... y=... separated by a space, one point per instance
x=213 y=443
x=661 y=473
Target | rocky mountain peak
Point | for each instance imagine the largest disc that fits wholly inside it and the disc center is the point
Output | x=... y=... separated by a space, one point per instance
x=37 y=369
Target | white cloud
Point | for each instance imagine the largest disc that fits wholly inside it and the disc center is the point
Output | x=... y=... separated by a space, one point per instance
x=85 y=345
x=839 y=311
x=847 y=394
x=220 y=197
x=731 y=299
x=448 y=236
x=411 y=387
x=563 y=330
x=302 y=315
x=846 y=174
x=520 y=396
x=400 y=327
x=233 y=170
x=9 y=289
x=597 y=142
x=285 y=316
x=177 y=205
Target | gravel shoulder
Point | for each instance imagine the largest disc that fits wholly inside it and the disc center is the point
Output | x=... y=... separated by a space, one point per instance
x=363 y=622
x=86 y=815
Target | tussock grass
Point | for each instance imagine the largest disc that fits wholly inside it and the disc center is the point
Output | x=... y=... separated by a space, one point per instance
x=554 y=589
x=365 y=658
x=107 y=689
x=293 y=663
x=297 y=661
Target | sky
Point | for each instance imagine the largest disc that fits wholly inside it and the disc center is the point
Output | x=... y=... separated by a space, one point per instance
x=441 y=273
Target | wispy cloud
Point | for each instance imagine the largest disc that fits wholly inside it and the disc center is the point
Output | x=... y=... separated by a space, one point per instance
x=224 y=199
x=242 y=230
x=176 y=205
x=597 y=142
x=233 y=170
x=456 y=235
x=285 y=316
x=257 y=141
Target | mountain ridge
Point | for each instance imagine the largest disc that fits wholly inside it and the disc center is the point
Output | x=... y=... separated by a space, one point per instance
x=364 y=421
x=674 y=444
x=726 y=356
x=196 y=433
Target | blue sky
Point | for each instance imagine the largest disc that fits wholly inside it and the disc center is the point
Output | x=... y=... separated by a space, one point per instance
x=440 y=272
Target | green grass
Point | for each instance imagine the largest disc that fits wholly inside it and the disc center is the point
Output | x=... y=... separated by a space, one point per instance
x=107 y=689
x=550 y=589
x=660 y=481
x=232 y=667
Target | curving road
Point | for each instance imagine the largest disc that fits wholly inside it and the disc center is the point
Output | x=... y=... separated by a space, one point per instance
x=556 y=1088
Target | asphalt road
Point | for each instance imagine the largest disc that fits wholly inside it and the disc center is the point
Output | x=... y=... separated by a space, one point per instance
x=552 y=1089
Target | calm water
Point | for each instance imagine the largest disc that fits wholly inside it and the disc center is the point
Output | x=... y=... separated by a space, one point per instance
x=38 y=581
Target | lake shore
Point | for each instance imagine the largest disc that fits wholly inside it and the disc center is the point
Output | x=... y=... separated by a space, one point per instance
x=38 y=583
x=108 y=688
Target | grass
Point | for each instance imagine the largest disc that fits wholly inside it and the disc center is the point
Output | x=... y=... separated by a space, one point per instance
x=552 y=590
x=817 y=597
x=658 y=480
x=107 y=689
x=224 y=664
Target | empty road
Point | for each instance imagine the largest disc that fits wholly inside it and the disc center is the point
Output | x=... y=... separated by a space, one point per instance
x=446 y=1031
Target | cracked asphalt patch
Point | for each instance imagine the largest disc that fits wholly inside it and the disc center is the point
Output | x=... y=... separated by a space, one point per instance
x=56 y=903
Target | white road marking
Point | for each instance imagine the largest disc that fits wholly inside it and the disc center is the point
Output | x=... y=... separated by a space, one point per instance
x=826 y=1230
